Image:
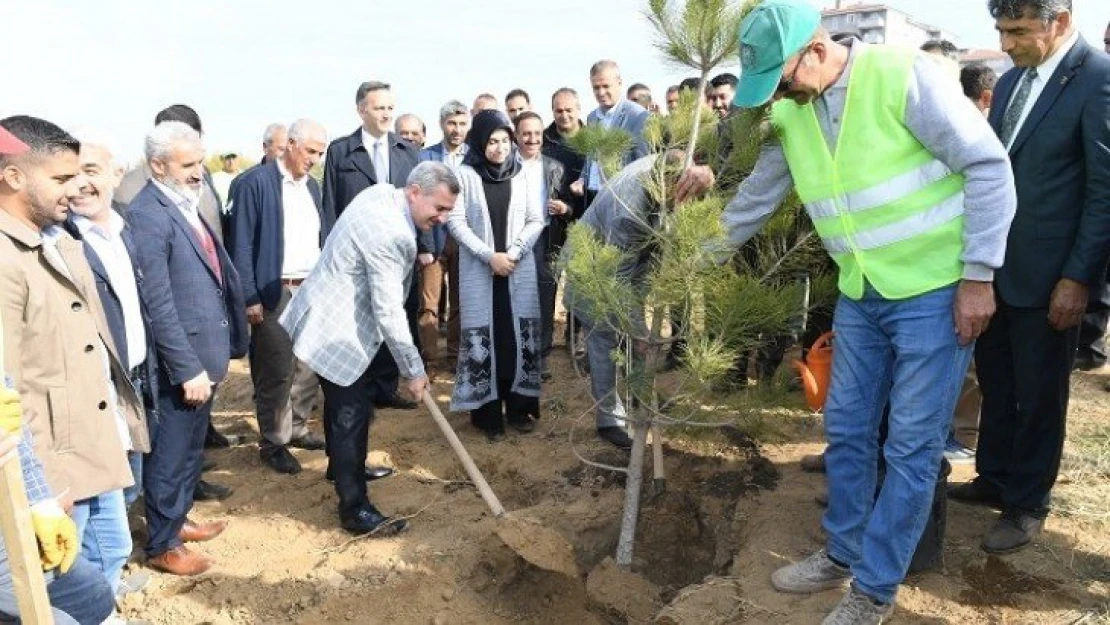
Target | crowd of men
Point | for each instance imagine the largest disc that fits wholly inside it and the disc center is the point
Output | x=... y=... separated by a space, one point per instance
x=958 y=230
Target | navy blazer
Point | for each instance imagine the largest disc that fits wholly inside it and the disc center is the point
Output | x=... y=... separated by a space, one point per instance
x=256 y=231
x=199 y=322
x=1061 y=162
x=438 y=233
x=113 y=310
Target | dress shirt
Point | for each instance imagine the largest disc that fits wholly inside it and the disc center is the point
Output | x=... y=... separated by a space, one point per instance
x=301 y=226
x=187 y=205
x=50 y=236
x=605 y=119
x=109 y=248
x=1044 y=74
x=453 y=160
x=533 y=168
x=368 y=142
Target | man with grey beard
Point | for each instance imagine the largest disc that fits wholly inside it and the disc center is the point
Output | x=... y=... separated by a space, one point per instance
x=198 y=317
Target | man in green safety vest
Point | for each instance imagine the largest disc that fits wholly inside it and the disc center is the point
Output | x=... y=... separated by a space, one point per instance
x=912 y=196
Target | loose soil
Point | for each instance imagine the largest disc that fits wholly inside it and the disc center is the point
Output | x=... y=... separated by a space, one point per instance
x=732 y=511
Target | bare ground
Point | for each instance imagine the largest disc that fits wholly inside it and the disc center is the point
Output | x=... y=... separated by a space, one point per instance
x=731 y=513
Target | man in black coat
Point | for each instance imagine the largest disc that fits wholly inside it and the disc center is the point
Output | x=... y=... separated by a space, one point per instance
x=374 y=155
x=1052 y=112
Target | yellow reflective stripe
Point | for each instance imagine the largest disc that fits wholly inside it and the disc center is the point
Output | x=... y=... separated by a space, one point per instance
x=884 y=193
x=912 y=226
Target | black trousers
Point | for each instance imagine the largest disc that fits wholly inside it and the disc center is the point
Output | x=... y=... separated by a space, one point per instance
x=1024 y=368
x=1092 y=331
x=386 y=373
x=348 y=412
x=172 y=468
x=547 y=286
x=509 y=406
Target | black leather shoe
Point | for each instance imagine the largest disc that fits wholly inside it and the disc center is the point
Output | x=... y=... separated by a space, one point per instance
x=526 y=425
x=396 y=401
x=495 y=436
x=1014 y=530
x=310 y=441
x=206 y=491
x=977 y=492
x=615 y=435
x=372 y=473
x=206 y=464
x=279 y=459
x=370 y=521
x=213 y=439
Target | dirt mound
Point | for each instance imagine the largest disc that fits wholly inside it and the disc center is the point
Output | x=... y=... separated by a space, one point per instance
x=732 y=512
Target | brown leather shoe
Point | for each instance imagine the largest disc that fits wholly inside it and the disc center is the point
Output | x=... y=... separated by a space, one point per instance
x=180 y=561
x=199 y=532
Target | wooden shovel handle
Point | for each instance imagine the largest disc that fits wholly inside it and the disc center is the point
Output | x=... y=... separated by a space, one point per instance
x=464 y=457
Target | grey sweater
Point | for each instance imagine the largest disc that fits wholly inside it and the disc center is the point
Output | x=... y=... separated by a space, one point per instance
x=946 y=123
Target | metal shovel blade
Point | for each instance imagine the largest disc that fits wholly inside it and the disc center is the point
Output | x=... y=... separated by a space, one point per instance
x=538 y=544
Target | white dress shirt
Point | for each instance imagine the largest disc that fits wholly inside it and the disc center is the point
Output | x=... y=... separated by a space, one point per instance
x=109 y=248
x=1044 y=74
x=186 y=204
x=533 y=168
x=301 y=226
x=50 y=236
x=605 y=120
x=369 y=142
x=453 y=160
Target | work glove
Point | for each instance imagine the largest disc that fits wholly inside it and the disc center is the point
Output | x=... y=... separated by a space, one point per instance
x=57 y=536
x=11 y=411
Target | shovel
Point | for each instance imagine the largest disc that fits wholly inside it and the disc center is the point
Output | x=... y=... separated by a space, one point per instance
x=529 y=538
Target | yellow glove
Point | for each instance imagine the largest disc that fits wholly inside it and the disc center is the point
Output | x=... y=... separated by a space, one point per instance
x=11 y=411
x=57 y=534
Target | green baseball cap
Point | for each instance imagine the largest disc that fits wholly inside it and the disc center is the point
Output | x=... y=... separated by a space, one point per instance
x=774 y=31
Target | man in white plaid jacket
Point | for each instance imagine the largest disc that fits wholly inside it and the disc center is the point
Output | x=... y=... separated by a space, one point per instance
x=350 y=306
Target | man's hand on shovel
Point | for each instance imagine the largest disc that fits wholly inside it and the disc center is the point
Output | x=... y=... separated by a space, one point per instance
x=417 y=386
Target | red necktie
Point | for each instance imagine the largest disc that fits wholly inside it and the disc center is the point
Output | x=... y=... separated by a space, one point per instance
x=210 y=248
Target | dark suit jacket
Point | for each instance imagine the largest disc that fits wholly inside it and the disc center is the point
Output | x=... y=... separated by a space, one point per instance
x=348 y=171
x=256 y=231
x=199 y=322
x=1061 y=161
x=558 y=183
x=113 y=310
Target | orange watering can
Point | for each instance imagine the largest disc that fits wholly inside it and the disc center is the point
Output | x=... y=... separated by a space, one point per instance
x=816 y=370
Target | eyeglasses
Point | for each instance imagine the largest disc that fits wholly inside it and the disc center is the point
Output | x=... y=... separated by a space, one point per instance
x=786 y=83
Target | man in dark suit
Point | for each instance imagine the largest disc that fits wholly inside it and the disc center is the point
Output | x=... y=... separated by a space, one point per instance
x=371 y=155
x=548 y=180
x=276 y=231
x=196 y=307
x=1052 y=112
x=454 y=121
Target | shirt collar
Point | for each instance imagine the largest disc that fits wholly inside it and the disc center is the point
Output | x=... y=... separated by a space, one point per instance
x=86 y=225
x=287 y=177
x=603 y=114
x=176 y=197
x=50 y=234
x=368 y=140
x=1048 y=67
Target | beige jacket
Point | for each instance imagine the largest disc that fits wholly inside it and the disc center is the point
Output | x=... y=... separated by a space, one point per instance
x=52 y=327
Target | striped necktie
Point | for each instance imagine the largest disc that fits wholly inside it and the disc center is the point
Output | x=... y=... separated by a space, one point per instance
x=1017 y=106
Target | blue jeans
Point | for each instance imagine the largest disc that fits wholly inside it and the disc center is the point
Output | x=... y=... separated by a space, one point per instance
x=105 y=537
x=907 y=352
x=131 y=493
x=80 y=596
x=601 y=340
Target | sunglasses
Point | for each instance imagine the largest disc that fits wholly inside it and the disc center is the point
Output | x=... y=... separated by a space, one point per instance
x=787 y=83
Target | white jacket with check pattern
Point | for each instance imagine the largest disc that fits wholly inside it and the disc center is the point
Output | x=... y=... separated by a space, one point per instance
x=353 y=300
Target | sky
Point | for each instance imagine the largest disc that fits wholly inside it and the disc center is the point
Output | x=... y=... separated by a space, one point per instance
x=242 y=64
